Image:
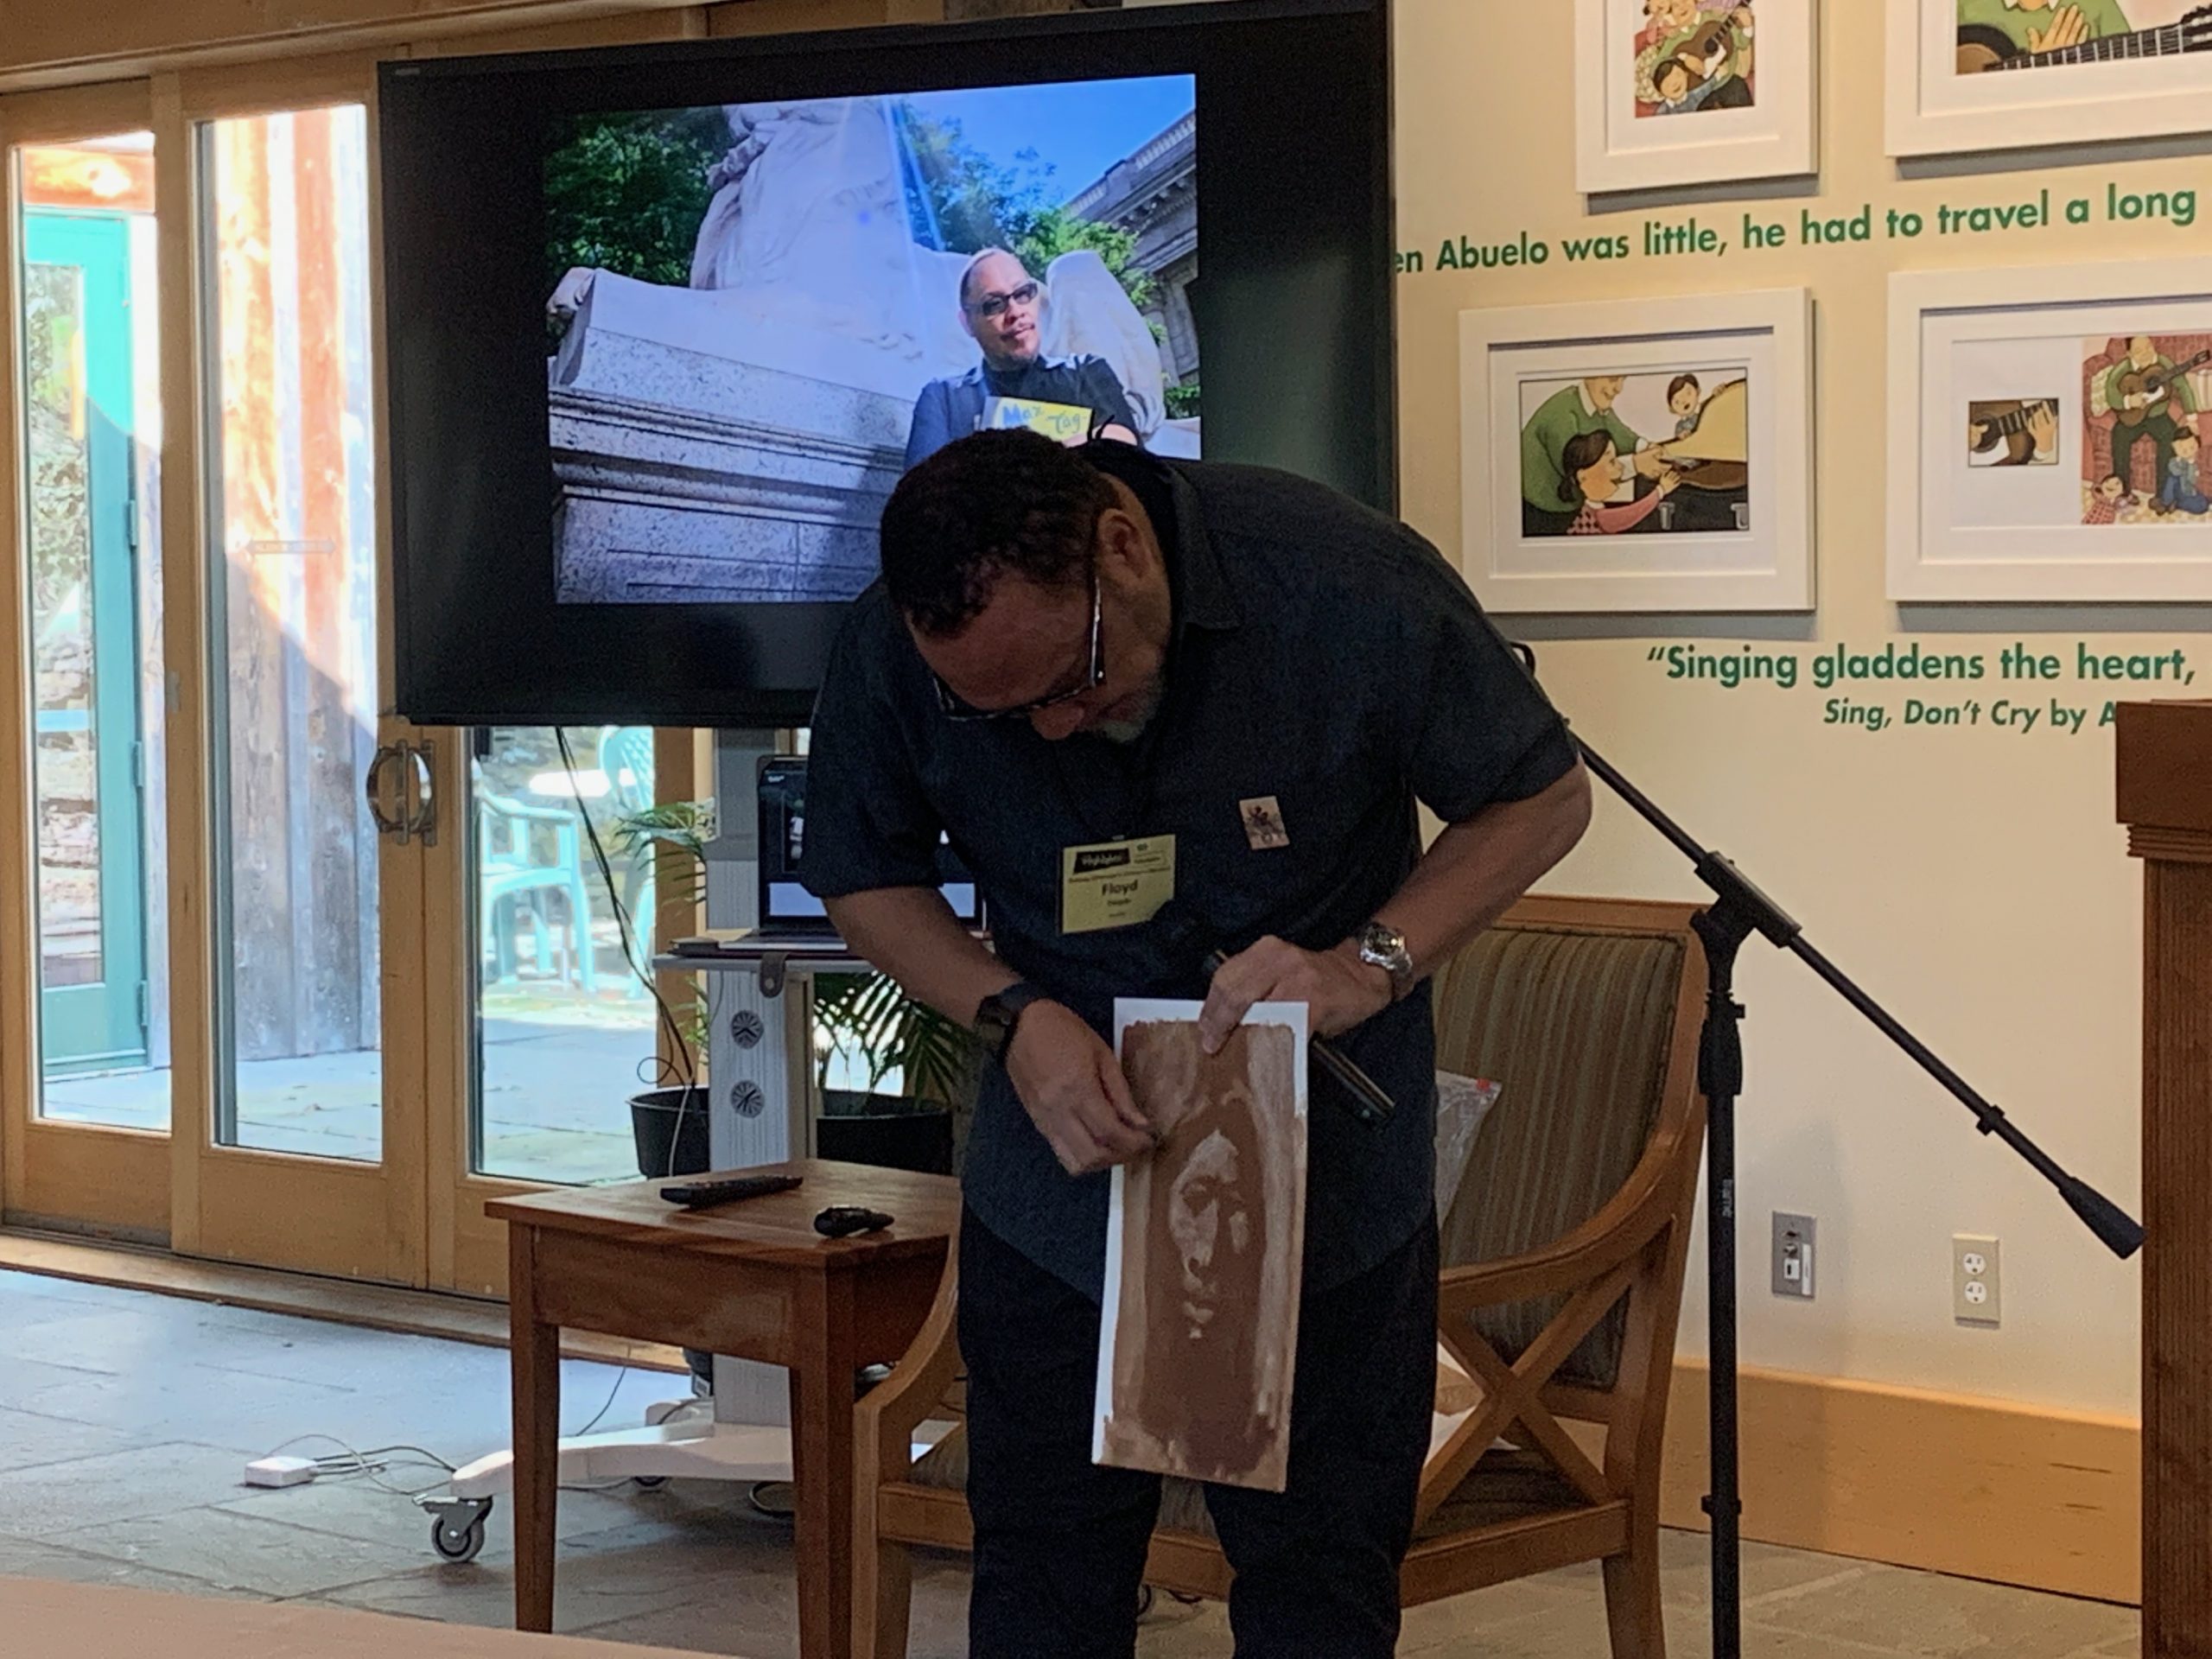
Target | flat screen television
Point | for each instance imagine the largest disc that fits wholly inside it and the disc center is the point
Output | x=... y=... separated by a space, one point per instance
x=665 y=324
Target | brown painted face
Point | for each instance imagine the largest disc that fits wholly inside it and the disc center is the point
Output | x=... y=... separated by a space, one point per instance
x=1209 y=1215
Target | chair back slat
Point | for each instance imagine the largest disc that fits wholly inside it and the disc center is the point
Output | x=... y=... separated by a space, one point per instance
x=1577 y=1025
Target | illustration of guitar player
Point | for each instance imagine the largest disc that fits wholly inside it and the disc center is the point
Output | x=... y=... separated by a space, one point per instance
x=2147 y=396
x=2025 y=432
x=2037 y=33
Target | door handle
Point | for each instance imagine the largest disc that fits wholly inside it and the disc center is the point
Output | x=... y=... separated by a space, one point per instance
x=423 y=788
x=372 y=791
x=417 y=803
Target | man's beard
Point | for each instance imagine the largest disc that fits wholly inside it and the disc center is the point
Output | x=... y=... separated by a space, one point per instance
x=1129 y=730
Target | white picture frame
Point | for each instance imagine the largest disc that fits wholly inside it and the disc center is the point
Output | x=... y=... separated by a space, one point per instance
x=2035 y=532
x=2156 y=81
x=1627 y=141
x=1740 y=543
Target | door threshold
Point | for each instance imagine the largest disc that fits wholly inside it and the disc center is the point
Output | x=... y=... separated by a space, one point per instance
x=453 y=1317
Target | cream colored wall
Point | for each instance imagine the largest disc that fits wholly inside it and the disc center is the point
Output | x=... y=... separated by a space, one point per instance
x=1974 y=881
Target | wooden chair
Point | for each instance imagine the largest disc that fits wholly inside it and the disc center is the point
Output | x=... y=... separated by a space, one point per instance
x=1563 y=1255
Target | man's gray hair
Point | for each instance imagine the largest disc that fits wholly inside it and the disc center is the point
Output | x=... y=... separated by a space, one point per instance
x=968 y=270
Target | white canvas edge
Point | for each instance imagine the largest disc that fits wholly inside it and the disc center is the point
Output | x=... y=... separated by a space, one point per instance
x=1787 y=313
x=1135 y=1010
x=1789 y=153
x=1915 y=293
x=1910 y=130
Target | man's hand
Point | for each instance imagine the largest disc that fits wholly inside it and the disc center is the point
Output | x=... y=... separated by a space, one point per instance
x=2042 y=429
x=1072 y=1087
x=1339 y=989
x=2068 y=27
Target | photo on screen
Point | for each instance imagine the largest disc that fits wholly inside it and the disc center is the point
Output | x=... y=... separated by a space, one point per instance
x=759 y=314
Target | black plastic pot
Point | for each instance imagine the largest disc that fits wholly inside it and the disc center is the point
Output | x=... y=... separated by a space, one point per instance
x=884 y=1131
x=670 y=1126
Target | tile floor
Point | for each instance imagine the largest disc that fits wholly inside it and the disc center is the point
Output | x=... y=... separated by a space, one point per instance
x=125 y=1420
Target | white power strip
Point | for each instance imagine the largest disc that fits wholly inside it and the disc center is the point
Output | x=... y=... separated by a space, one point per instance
x=280 y=1471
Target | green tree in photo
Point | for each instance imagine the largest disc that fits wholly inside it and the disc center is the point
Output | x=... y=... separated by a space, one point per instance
x=970 y=202
x=625 y=192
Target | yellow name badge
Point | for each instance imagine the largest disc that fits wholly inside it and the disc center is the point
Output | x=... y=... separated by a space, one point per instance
x=1115 y=883
x=1062 y=423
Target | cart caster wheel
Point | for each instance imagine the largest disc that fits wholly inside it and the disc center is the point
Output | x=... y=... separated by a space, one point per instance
x=457 y=1542
x=652 y=1483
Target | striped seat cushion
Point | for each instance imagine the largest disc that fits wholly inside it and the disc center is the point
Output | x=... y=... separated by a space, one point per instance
x=1577 y=1026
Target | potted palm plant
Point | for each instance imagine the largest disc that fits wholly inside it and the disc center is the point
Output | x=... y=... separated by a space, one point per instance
x=867 y=1032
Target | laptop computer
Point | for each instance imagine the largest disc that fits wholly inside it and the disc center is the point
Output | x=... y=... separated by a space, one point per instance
x=788 y=911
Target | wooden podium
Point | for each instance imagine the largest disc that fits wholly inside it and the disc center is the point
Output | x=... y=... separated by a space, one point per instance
x=2165 y=801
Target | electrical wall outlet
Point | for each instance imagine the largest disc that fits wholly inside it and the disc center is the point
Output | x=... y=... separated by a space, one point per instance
x=1974 y=1283
x=1793 y=1256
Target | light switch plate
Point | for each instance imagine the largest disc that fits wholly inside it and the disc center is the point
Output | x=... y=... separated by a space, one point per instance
x=1793 y=1255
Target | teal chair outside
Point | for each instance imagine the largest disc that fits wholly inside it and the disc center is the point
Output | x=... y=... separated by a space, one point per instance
x=511 y=873
x=625 y=755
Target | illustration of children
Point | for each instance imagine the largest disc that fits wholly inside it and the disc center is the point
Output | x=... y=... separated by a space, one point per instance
x=2182 y=492
x=2104 y=506
x=1681 y=88
x=1691 y=55
x=1682 y=399
x=1592 y=466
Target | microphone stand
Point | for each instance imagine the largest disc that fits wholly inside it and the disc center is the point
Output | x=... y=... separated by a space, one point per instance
x=1739 y=910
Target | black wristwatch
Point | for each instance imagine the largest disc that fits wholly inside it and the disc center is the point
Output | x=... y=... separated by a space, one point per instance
x=1000 y=1012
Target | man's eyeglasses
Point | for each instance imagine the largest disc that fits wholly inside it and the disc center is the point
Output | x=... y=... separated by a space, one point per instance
x=954 y=709
x=994 y=305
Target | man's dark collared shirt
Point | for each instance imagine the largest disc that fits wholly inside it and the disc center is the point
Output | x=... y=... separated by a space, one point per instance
x=953 y=407
x=1325 y=658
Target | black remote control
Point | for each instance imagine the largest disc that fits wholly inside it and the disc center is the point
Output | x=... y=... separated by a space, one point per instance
x=698 y=1195
x=843 y=1220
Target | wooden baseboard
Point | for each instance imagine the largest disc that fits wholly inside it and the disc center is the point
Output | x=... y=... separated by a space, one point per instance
x=411 y=1312
x=1981 y=1489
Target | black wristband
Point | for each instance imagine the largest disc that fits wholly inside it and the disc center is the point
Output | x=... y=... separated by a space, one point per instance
x=1000 y=1012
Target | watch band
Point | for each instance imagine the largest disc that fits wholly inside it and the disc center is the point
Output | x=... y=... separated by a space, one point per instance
x=1000 y=1012
x=1383 y=946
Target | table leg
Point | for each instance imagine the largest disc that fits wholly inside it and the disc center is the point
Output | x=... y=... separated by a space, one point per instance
x=534 y=1360
x=822 y=1465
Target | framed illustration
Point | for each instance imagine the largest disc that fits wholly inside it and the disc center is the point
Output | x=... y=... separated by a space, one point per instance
x=1199 y=1325
x=1639 y=455
x=2045 y=433
x=2005 y=74
x=1693 y=91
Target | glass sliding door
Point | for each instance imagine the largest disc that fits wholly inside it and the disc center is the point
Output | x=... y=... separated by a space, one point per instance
x=320 y=807
x=290 y=502
x=88 y=732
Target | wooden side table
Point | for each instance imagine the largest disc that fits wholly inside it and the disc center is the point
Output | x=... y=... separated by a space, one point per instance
x=750 y=1279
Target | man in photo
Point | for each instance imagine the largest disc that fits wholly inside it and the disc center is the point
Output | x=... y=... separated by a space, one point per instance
x=1002 y=308
x=1548 y=505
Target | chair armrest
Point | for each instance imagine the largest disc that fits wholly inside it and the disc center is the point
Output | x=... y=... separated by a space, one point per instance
x=889 y=1413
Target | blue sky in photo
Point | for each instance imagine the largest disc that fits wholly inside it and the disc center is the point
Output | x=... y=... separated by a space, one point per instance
x=1081 y=128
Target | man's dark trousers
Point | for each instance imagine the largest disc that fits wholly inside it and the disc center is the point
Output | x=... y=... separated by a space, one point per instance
x=1060 y=1543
